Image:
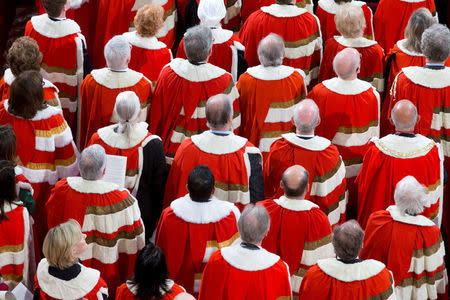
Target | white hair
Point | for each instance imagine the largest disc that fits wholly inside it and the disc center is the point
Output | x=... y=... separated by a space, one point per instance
x=254 y=223
x=127 y=109
x=211 y=12
x=92 y=162
x=409 y=195
x=271 y=50
x=436 y=43
x=117 y=53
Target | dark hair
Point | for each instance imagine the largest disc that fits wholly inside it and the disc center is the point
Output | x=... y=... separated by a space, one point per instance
x=7 y=186
x=24 y=55
x=342 y=1
x=283 y=2
x=200 y=183
x=26 y=96
x=53 y=7
x=348 y=240
x=151 y=273
x=299 y=189
x=8 y=143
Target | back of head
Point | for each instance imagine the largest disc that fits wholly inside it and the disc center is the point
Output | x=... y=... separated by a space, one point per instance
x=151 y=273
x=435 y=43
x=8 y=143
x=149 y=19
x=348 y=240
x=350 y=21
x=253 y=224
x=284 y=2
x=127 y=110
x=306 y=116
x=54 y=7
x=198 y=43
x=346 y=63
x=92 y=162
x=7 y=186
x=271 y=50
x=24 y=55
x=410 y=195
x=59 y=244
x=420 y=20
x=295 y=181
x=184 y=296
x=200 y=183
x=211 y=12
x=26 y=95
x=218 y=111
x=117 y=53
x=404 y=115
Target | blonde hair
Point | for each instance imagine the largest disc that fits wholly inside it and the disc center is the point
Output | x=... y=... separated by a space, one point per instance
x=350 y=21
x=420 y=20
x=60 y=242
x=149 y=19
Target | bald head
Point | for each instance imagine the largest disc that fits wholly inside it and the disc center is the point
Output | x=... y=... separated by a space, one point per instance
x=346 y=64
x=306 y=116
x=219 y=112
x=294 y=182
x=404 y=116
x=184 y=296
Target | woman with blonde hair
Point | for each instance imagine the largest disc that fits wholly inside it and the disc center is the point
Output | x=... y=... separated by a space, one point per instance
x=146 y=169
x=60 y=275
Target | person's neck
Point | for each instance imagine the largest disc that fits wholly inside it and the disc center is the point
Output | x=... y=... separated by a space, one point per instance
x=353 y=77
x=63 y=14
x=119 y=69
x=302 y=197
x=311 y=133
x=435 y=62
x=408 y=130
x=222 y=129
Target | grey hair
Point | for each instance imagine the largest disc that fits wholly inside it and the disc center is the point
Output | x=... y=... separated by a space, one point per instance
x=350 y=20
x=400 y=125
x=348 y=240
x=410 y=195
x=92 y=162
x=117 y=52
x=436 y=43
x=304 y=128
x=127 y=109
x=420 y=20
x=198 y=43
x=218 y=117
x=271 y=50
x=254 y=223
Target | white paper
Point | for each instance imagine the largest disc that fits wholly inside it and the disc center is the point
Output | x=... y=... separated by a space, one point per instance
x=21 y=292
x=116 y=167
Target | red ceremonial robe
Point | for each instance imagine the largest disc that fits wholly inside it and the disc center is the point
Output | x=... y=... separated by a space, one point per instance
x=224 y=53
x=110 y=218
x=99 y=91
x=168 y=31
x=326 y=172
x=148 y=55
x=267 y=99
x=372 y=59
x=86 y=285
x=300 y=31
x=391 y=18
x=219 y=153
x=22 y=182
x=333 y=279
x=50 y=90
x=239 y=273
x=250 y=6
x=61 y=44
x=128 y=291
x=174 y=116
x=202 y=228
x=412 y=248
x=299 y=233
x=327 y=10
x=393 y=157
x=46 y=152
x=349 y=113
x=16 y=244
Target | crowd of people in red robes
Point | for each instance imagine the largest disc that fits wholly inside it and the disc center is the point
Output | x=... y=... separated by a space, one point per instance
x=226 y=149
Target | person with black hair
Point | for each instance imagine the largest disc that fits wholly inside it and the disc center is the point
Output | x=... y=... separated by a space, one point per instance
x=193 y=227
x=16 y=238
x=151 y=278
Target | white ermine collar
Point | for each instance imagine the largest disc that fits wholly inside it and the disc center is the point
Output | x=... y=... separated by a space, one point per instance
x=433 y=79
x=9 y=78
x=283 y=11
x=332 y=7
x=346 y=87
x=270 y=73
x=120 y=140
x=295 y=205
x=401 y=217
x=316 y=143
x=401 y=46
x=91 y=186
x=350 y=272
x=202 y=212
x=194 y=73
x=43 y=114
x=249 y=260
x=116 y=80
x=360 y=42
x=404 y=147
x=150 y=43
x=217 y=144
x=52 y=29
